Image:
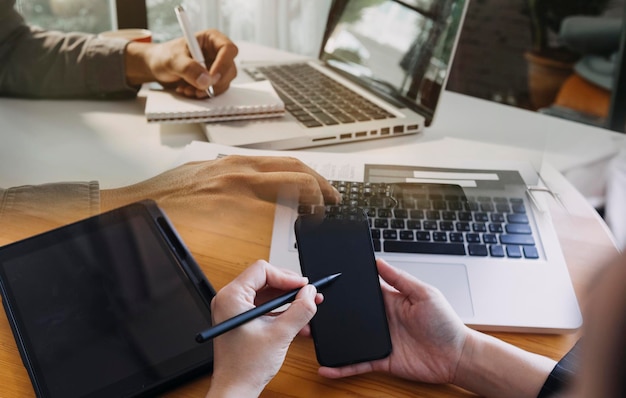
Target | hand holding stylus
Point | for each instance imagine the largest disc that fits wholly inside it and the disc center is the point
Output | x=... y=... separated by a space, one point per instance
x=172 y=63
x=239 y=353
x=256 y=312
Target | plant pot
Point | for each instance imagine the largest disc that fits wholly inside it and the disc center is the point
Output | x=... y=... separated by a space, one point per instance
x=545 y=77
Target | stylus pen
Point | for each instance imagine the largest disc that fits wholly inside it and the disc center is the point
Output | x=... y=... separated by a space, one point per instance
x=192 y=42
x=256 y=312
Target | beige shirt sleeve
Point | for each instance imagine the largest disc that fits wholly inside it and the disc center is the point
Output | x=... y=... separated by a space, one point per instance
x=30 y=209
x=37 y=63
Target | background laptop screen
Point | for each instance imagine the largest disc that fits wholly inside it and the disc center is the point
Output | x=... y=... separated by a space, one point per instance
x=400 y=49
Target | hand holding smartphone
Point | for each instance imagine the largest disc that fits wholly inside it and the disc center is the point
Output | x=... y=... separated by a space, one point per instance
x=351 y=324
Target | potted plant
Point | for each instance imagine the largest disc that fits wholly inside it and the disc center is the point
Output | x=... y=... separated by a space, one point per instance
x=549 y=64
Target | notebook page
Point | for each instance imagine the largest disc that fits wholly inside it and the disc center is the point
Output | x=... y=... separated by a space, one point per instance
x=240 y=101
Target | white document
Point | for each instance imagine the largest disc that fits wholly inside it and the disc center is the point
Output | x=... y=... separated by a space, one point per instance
x=351 y=166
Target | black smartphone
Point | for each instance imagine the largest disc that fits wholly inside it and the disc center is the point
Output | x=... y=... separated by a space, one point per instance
x=351 y=324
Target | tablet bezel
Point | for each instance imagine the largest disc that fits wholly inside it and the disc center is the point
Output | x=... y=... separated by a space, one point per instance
x=176 y=369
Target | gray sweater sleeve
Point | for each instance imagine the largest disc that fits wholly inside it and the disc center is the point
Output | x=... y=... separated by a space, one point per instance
x=48 y=204
x=37 y=63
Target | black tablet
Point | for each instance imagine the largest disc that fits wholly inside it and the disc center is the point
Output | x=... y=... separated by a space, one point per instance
x=108 y=306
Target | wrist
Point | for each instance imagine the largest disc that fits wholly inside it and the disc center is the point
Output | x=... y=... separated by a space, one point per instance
x=113 y=198
x=232 y=388
x=493 y=368
x=136 y=63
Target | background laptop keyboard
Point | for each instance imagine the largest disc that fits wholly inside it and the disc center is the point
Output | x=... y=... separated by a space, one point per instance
x=435 y=222
x=316 y=100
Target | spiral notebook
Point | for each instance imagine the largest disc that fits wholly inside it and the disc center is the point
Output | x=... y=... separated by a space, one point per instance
x=244 y=101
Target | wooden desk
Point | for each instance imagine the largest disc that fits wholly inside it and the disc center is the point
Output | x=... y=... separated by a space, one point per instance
x=111 y=142
x=230 y=241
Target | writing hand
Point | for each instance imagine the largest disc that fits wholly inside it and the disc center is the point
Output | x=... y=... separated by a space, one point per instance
x=172 y=65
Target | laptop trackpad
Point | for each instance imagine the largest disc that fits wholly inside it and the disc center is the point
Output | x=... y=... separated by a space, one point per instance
x=451 y=279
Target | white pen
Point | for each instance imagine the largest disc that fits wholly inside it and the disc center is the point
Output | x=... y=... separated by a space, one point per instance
x=192 y=42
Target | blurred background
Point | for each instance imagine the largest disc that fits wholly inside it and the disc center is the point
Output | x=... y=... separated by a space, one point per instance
x=510 y=51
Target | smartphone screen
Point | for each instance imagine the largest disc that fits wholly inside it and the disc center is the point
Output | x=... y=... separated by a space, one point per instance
x=351 y=324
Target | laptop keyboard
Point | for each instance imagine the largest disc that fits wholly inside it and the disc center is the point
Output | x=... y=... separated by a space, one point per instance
x=430 y=221
x=316 y=100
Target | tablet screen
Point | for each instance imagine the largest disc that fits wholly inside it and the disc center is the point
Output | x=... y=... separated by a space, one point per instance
x=104 y=308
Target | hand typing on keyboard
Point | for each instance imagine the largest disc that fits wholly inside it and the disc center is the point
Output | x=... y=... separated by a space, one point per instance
x=439 y=219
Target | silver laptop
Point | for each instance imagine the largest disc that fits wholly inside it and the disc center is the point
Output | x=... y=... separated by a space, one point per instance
x=380 y=73
x=478 y=235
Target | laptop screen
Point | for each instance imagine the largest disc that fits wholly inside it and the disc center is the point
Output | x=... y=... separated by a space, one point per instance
x=401 y=49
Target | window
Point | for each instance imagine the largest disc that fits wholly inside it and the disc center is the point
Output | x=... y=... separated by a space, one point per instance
x=292 y=25
x=162 y=19
x=94 y=16
x=68 y=15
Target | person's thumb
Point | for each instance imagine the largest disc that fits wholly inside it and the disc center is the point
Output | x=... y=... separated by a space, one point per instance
x=196 y=75
x=301 y=310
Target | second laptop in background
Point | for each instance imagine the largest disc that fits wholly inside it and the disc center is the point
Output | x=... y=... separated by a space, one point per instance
x=380 y=73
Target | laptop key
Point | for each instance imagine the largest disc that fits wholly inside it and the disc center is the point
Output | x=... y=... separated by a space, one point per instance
x=496 y=251
x=456 y=237
x=422 y=235
x=344 y=118
x=430 y=225
x=513 y=252
x=531 y=252
x=465 y=216
x=406 y=235
x=446 y=225
x=381 y=223
x=462 y=226
x=401 y=213
x=490 y=238
x=312 y=123
x=518 y=208
x=515 y=239
x=440 y=237
x=304 y=117
x=424 y=247
x=497 y=217
x=495 y=228
x=414 y=224
x=390 y=234
x=327 y=120
x=517 y=218
x=397 y=223
x=518 y=229
x=477 y=250
x=359 y=116
x=472 y=238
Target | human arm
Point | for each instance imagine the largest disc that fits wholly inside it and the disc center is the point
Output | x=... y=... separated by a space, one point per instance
x=431 y=344
x=249 y=356
x=38 y=63
x=224 y=183
x=197 y=192
x=30 y=209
